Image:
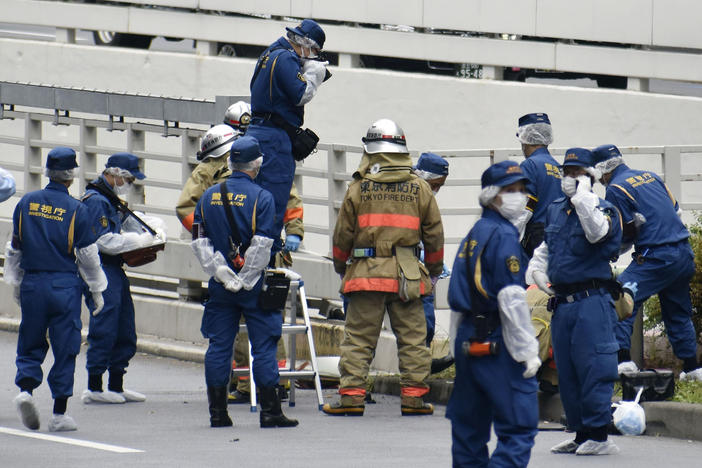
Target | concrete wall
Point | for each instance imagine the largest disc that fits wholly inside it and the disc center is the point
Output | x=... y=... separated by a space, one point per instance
x=435 y=112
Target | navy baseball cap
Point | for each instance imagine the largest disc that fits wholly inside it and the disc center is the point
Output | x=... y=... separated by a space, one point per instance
x=578 y=157
x=311 y=29
x=538 y=117
x=431 y=162
x=244 y=149
x=605 y=152
x=126 y=161
x=61 y=159
x=502 y=174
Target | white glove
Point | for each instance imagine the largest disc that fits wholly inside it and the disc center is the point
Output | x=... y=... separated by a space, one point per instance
x=639 y=219
x=532 y=367
x=542 y=281
x=16 y=295
x=568 y=186
x=584 y=184
x=315 y=71
x=99 y=303
x=160 y=236
x=594 y=172
x=228 y=278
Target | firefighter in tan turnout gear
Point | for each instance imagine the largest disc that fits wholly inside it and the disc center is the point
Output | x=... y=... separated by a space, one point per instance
x=385 y=214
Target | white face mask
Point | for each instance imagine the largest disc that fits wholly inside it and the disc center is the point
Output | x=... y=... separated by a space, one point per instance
x=513 y=205
x=123 y=190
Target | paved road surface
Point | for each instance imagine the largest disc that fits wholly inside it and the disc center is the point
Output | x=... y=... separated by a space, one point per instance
x=171 y=429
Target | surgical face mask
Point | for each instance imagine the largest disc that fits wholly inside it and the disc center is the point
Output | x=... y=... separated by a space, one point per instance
x=123 y=190
x=513 y=205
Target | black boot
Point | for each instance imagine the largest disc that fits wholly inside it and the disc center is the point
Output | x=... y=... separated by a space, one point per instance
x=217 y=397
x=271 y=414
x=440 y=364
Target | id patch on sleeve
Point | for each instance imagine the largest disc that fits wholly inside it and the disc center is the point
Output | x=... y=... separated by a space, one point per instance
x=513 y=264
x=103 y=221
x=301 y=78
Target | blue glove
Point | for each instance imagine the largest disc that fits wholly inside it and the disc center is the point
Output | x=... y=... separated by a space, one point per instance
x=632 y=286
x=446 y=273
x=292 y=243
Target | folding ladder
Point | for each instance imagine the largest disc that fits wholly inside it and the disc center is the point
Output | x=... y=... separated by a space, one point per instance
x=290 y=330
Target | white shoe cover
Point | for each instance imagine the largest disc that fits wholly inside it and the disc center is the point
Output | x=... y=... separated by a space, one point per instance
x=692 y=375
x=102 y=397
x=62 y=423
x=28 y=412
x=627 y=366
x=131 y=395
x=567 y=446
x=592 y=447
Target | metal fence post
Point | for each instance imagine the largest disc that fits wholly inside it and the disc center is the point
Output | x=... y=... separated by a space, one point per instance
x=32 y=154
x=188 y=290
x=88 y=160
x=136 y=142
x=336 y=188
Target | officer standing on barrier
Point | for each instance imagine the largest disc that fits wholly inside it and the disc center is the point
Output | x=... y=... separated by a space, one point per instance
x=544 y=184
x=385 y=215
x=495 y=348
x=663 y=261
x=582 y=236
x=53 y=241
x=434 y=169
x=112 y=334
x=286 y=78
x=234 y=251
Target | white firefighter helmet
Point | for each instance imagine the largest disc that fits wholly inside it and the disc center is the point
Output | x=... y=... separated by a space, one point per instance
x=238 y=116
x=216 y=141
x=384 y=136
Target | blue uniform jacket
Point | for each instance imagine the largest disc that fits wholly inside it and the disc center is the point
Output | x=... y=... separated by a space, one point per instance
x=489 y=259
x=252 y=207
x=644 y=192
x=49 y=224
x=279 y=84
x=108 y=217
x=571 y=257
x=544 y=184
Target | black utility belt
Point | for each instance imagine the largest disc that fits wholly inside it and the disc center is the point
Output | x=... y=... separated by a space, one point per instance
x=567 y=289
x=370 y=252
x=111 y=259
x=554 y=301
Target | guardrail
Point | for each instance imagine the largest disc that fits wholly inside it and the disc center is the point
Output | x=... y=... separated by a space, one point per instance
x=97 y=124
x=555 y=29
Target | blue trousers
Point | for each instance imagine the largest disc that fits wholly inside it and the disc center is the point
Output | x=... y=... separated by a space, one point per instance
x=50 y=301
x=491 y=390
x=112 y=333
x=428 y=304
x=220 y=324
x=277 y=171
x=586 y=359
x=666 y=271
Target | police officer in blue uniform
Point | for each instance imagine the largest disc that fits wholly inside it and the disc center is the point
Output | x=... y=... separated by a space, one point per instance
x=582 y=235
x=495 y=349
x=544 y=185
x=235 y=261
x=287 y=77
x=53 y=241
x=663 y=259
x=112 y=334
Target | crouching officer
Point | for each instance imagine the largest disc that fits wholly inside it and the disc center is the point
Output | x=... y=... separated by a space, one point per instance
x=582 y=235
x=386 y=213
x=53 y=240
x=233 y=233
x=495 y=348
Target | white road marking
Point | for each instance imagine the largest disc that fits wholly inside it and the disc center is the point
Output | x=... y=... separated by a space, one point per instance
x=69 y=441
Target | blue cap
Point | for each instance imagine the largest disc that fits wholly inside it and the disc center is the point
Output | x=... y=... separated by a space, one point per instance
x=578 y=157
x=430 y=162
x=61 y=159
x=126 y=161
x=244 y=149
x=502 y=174
x=310 y=28
x=539 y=117
x=605 y=152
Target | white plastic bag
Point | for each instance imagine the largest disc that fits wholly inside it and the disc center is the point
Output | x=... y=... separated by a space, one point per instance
x=629 y=417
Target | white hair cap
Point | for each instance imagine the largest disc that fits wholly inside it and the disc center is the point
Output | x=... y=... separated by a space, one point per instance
x=535 y=134
x=488 y=194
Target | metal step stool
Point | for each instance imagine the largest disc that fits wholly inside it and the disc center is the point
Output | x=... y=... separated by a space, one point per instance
x=290 y=330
